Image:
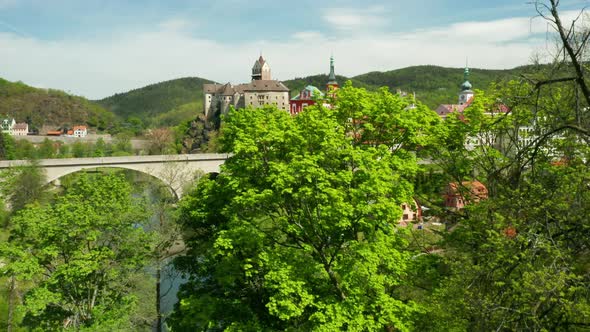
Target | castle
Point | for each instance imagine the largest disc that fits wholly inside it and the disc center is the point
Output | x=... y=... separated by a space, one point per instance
x=262 y=90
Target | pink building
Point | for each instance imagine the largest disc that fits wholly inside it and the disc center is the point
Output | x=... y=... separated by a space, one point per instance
x=411 y=213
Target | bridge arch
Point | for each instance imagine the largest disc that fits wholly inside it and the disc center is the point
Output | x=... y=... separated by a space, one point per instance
x=173 y=170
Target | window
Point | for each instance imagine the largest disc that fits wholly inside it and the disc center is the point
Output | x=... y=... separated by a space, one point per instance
x=405 y=217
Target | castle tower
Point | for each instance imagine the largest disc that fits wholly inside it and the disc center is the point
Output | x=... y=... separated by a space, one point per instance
x=261 y=70
x=332 y=85
x=466 y=93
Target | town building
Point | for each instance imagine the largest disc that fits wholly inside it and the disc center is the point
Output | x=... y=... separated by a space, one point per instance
x=261 y=91
x=77 y=131
x=306 y=97
x=7 y=125
x=411 y=213
x=20 y=129
x=80 y=131
x=465 y=99
x=458 y=195
x=310 y=94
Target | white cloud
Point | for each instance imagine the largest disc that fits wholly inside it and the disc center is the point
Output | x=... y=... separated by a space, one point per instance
x=354 y=18
x=308 y=35
x=177 y=24
x=98 y=68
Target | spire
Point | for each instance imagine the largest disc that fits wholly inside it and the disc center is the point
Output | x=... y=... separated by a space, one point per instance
x=466 y=85
x=466 y=93
x=332 y=76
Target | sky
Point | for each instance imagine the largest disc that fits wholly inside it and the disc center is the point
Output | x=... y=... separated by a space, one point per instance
x=96 y=48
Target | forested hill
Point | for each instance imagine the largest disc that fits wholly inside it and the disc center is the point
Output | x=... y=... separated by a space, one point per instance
x=319 y=81
x=47 y=107
x=162 y=104
x=435 y=85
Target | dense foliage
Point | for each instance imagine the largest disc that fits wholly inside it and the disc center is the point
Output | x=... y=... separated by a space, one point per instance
x=298 y=231
x=82 y=253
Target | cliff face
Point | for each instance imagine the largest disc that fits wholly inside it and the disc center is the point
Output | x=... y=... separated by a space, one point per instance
x=200 y=136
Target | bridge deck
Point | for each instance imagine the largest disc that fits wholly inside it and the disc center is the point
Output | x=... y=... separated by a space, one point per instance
x=98 y=161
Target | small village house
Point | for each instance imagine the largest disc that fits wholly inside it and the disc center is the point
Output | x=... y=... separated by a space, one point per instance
x=7 y=125
x=411 y=213
x=20 y=129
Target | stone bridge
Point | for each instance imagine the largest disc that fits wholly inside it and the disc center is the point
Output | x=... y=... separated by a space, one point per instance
x=173 y=170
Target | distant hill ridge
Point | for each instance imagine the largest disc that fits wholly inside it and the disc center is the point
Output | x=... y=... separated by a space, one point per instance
x=176 y=101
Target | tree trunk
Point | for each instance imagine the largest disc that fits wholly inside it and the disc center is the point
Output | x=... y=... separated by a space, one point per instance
x=158 y=300
x=11 y=296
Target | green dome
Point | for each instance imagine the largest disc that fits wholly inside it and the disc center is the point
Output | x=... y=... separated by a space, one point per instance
x=466 y=86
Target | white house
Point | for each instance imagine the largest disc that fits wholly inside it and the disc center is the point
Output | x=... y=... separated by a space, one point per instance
x=7 y=125
x=80 y=131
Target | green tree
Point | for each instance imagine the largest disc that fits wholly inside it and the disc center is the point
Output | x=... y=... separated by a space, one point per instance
x=25 y=186
x=122 y=145
x=24 y=149
x=135 y=125
x=47 y=149
x=80 y=149
x=9 y=147
x=100 y=149
x=64 y=151
x=81 y=255
x=2 y=147
x=518 y=260
x=298 y=230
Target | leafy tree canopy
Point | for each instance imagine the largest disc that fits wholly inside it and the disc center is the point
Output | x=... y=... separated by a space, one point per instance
x=298 y=231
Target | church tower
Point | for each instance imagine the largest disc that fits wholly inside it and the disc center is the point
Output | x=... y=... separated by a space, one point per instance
x=466 y=93
x=261 y=70
x=332 y=85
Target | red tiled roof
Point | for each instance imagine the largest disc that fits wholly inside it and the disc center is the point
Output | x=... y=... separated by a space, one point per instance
x=476 y=188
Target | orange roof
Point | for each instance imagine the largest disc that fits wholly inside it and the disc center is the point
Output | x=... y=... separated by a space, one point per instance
x=475 y=187
x=79 y=128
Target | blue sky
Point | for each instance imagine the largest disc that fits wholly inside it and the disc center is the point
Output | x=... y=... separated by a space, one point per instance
x=97 y=48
